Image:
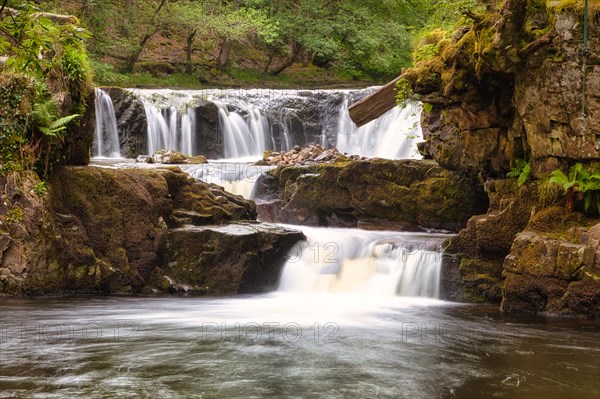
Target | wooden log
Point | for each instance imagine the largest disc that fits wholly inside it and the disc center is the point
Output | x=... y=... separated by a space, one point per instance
x=374 y=105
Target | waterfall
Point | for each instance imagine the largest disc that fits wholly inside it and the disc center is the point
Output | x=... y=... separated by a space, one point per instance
x=393 y=135
x=237 y=178
x=245 y=123
x=243 y=137
x=171 y=122
x=359 y=261
x=106 y=139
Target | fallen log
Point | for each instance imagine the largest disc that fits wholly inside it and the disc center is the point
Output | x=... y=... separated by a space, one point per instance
x=374 y=105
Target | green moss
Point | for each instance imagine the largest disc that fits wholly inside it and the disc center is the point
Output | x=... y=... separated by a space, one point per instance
x=574 y=6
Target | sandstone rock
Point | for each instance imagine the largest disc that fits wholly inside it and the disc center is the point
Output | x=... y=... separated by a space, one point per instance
x=551 y=275
x=488 y=113
x=481 y=247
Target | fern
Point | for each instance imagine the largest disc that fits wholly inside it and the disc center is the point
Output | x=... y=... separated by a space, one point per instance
x=522 y=170
x=580 y=184
x=45 y=117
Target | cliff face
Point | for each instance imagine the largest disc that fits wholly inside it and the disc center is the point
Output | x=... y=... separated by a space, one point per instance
x=517 y=86
x=541 y=102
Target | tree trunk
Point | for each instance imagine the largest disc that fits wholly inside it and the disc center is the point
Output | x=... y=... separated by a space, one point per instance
x=294 y=51
x=133 y=57
x=271 y=56
x=223 y=58
x=189 y=42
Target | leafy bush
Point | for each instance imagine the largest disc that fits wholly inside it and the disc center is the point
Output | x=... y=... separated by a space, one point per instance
x=41 y=53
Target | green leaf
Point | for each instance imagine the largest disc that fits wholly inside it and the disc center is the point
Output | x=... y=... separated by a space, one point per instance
x=524 y=174
x=61 y=123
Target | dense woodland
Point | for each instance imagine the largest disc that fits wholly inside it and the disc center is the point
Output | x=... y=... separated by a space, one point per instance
x=237 y=41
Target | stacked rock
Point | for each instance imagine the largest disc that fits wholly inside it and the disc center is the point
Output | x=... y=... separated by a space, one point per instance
x=309 y=155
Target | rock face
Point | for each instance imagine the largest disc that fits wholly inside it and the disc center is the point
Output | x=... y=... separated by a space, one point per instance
x=410 y=194
x=528 y=253
x=131 y=121
x=477 y=253
x=493 y=103
x=107 y=230
x=557 y=104
x=549 y=275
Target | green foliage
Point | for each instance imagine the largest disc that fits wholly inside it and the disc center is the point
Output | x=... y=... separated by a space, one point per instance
x=521 y=169
x=403 y=92
x=78 y=73
x=581 y=185
x=46 y=120
x=16 y=91
x=40 y=54
x=14 y=215
x=40 y=189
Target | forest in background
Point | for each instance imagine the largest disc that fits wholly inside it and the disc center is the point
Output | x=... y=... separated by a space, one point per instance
x=309 y=43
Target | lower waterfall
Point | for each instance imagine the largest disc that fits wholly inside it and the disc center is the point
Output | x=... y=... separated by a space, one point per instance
x=382 y=263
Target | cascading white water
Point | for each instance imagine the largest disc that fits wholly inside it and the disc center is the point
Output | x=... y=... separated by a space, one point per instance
x=171 y=124
x=106 y=139
x=393 y=135
x=237 y=178
x=243 y=137
x=368 y=262
x=252 y=121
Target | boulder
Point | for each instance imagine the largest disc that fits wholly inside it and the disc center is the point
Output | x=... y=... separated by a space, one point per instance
x=172 y=157
x=551 y=275
x=417 y=194
x=226 y=260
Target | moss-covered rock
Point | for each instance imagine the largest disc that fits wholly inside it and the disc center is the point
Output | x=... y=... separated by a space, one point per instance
x=108 y=230
x=406 y=193
x=479 y=249
x=511 y=86
x=227 y=260
x=550 y=275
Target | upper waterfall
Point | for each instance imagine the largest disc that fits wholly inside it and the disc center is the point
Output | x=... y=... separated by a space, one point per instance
x=393 y=135
x=106 y=138
x=242 y=124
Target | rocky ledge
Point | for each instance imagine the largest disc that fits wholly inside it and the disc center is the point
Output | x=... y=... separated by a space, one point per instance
x=528 y=252
x=402 y=194
x=100 y=230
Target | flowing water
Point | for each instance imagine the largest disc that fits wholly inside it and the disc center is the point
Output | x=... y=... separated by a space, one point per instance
x=393 y=135
x=252 y=121
x=106 y=138
x=239 y=178
x=289 y=345
x=355 y=314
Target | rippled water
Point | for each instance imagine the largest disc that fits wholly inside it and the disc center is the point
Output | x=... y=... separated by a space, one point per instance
x=289 y=345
